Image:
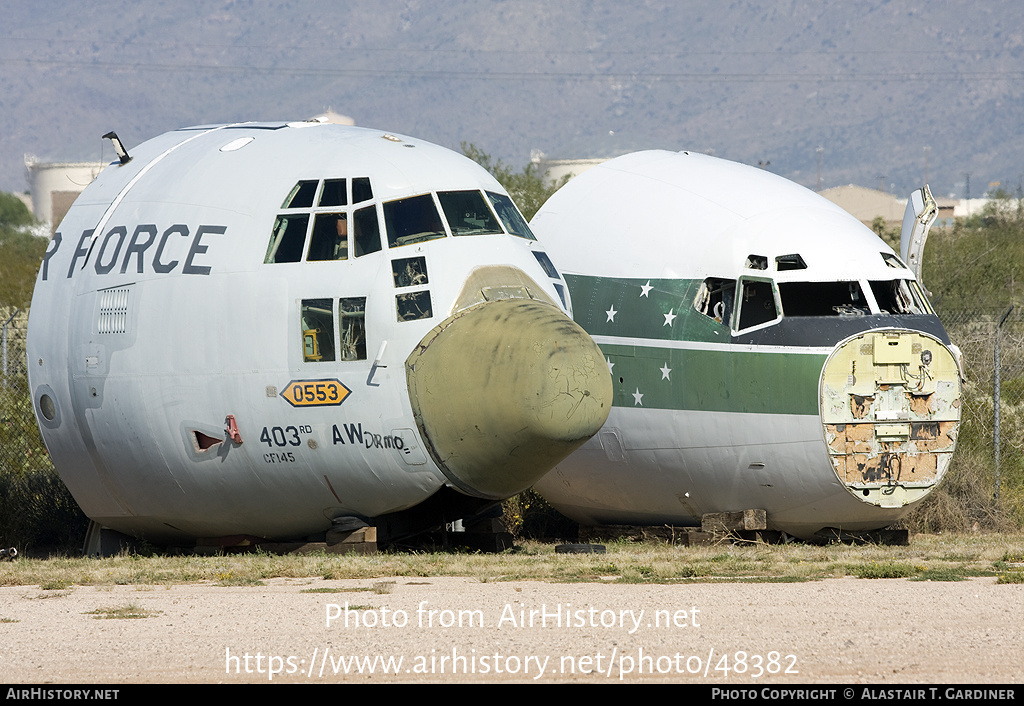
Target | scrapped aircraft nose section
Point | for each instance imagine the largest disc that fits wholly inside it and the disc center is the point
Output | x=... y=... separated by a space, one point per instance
x=890 y=405
x=504 y=390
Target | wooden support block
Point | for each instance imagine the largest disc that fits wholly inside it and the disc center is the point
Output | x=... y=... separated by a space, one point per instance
x=696 y=538
x=356 y=536
x=726 y=522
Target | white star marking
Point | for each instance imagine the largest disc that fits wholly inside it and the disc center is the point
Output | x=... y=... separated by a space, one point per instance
x=665 y=370
x=611 y=314
x=645 y=288
x=610 y=364
x=637 y=396
x=670 y=317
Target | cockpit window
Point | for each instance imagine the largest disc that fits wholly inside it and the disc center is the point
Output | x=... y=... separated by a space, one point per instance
x=287 y=238
x=317 y=322
x=413 y=306
x=892 y=261
x=900 y=296
x=468 y=213
x=790 y=262
x=409 y=271
x=756 y=262
x=361 y=190
x=714 y=299
x=335 y=229
x=352 y=328
x=367 y=235
x=822 y=299
x=301 y=195
x=511 y=218
x=412 y=220
x=330 y=237
x=757 y=303
x=334 y=193
x=545 y=262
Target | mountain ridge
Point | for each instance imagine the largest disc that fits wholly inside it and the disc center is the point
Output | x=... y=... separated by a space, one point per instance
x=872 y=85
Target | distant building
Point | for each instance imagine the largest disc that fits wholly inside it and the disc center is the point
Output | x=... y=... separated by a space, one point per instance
x=54 y=186
x=552 y=170
x=965 y=208
x=947 y=211
x=867 y=204
x=598 y=148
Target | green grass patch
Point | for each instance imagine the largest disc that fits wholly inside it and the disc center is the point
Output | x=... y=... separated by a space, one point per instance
x=941 y=574
x=886 y=570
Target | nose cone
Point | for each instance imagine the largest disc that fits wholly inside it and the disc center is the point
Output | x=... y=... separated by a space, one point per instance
x=890 y=406
x=504 y=390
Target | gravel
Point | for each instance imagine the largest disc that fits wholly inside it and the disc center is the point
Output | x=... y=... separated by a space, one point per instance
x=463 y=630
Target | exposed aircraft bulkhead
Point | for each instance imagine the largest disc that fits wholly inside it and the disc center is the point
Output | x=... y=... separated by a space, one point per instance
x=890 y=406
x=264 y=328
x=767 y=351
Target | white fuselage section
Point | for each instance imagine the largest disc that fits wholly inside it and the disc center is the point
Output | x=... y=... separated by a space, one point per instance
x=220 y=328
x=767 y=351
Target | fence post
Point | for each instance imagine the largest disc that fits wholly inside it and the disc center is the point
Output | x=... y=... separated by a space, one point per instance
x=996 y=398
x=4 y=336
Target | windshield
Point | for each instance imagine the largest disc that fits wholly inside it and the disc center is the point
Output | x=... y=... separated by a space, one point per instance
x=468 y=213
x=510 y=216
x=822 y=299
x=412 y=220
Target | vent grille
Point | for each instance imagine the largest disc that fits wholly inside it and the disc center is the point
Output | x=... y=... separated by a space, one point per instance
x=113 y=314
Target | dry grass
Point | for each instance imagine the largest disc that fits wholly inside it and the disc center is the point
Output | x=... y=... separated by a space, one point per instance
x=130 y=611
x=929 y=557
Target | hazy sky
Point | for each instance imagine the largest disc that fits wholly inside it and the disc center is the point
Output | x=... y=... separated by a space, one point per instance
x=892 y=92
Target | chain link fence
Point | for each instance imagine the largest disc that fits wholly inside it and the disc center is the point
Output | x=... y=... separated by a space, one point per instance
x=987 y=473
x=21 y=448
x=984 y=487
x=37 y=513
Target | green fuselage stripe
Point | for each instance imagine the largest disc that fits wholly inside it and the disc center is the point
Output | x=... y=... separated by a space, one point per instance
x=650 y=376
x=714 y=380
x=642 y=308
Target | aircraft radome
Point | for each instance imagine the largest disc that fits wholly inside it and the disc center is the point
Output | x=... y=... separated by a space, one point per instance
x=273 y=329
x=767 y=351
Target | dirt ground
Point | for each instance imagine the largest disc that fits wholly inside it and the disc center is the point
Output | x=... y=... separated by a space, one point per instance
x=462 y=630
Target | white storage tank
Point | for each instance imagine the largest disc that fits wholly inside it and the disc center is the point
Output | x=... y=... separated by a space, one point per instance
x=55 y=186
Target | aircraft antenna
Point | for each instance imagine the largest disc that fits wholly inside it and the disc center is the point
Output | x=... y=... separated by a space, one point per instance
x=122 y=153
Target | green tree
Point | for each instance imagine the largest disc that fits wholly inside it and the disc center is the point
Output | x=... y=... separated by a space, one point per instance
x=37 y=512
x=13 y=212
x=20 y=252
x=974 y=264
x=526 y=187
x=891 y=236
